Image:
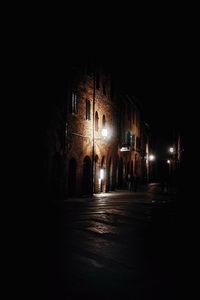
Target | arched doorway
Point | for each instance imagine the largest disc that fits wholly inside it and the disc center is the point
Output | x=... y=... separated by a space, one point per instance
x=87 y=176
x=131 y=168
x=114 y=173
x=102 y=175
x=72 y=177
x=136 y=164
x=96 y=121
x=109 y=175
x=127 y=172
x=120 y=173
x=127 y=169
x=96 y=175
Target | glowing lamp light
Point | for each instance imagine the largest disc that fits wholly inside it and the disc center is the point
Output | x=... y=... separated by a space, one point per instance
x=123 y=149
x=151 y=157
x=168 y=161
x=104 y=132
x=101 y=173
x=171 y=149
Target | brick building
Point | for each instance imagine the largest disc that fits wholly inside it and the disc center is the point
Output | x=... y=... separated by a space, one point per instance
x=91 y=132
x=96 y=135
x=133 y=147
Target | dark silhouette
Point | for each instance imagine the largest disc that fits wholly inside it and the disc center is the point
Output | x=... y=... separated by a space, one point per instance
x=129 y=182
x=135 y=181
x=164 y=176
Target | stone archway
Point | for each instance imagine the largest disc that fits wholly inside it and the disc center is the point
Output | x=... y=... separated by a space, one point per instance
x=103 y=179
x=87 y=176
x=96 y=175
x=120 y=173
x=109 y=175
x=136 y=164
x=131 y=171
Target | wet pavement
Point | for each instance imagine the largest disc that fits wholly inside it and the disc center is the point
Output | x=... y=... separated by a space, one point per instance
x=119 y=245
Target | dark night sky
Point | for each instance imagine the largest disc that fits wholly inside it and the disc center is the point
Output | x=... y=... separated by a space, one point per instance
x=162 y=103
x=163 y=114
x=158 y=89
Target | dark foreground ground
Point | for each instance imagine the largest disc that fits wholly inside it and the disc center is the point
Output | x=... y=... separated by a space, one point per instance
x=120 y=245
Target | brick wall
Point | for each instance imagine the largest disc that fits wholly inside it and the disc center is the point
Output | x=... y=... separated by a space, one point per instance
x=80 y=139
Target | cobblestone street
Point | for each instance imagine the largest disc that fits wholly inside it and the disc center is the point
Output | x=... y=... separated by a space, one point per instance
x=119 y=245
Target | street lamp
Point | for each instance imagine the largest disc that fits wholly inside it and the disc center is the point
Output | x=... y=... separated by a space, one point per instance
x=151 y=157
x=103 y=138
x=104 y=132
x=101 y=174
x=171 y=163
x=101 y=177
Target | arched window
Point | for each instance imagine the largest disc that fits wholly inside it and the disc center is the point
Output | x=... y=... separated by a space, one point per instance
x=102 y=161
x=74 y=109
x=128 y=138
x=88 y=117
x=96 y=121
x=104 y=121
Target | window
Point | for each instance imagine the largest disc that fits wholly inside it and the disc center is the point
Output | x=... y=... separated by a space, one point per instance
x=74 y=103
x=104 y=121
x=96 y=121
x=128 y=138
x=88 y=117
x=133 y=140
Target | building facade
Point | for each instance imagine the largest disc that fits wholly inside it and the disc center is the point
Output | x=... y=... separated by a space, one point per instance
x=104 y=134
x=96 y=135
x=133 y=147
x=91 y=133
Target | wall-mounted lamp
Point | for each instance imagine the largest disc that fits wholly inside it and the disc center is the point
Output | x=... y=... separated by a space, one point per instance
x=151 y=157
x=101 y=173
x=104 y=132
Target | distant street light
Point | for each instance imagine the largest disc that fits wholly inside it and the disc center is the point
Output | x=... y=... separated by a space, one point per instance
x=151 y=157
x=172 y=163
